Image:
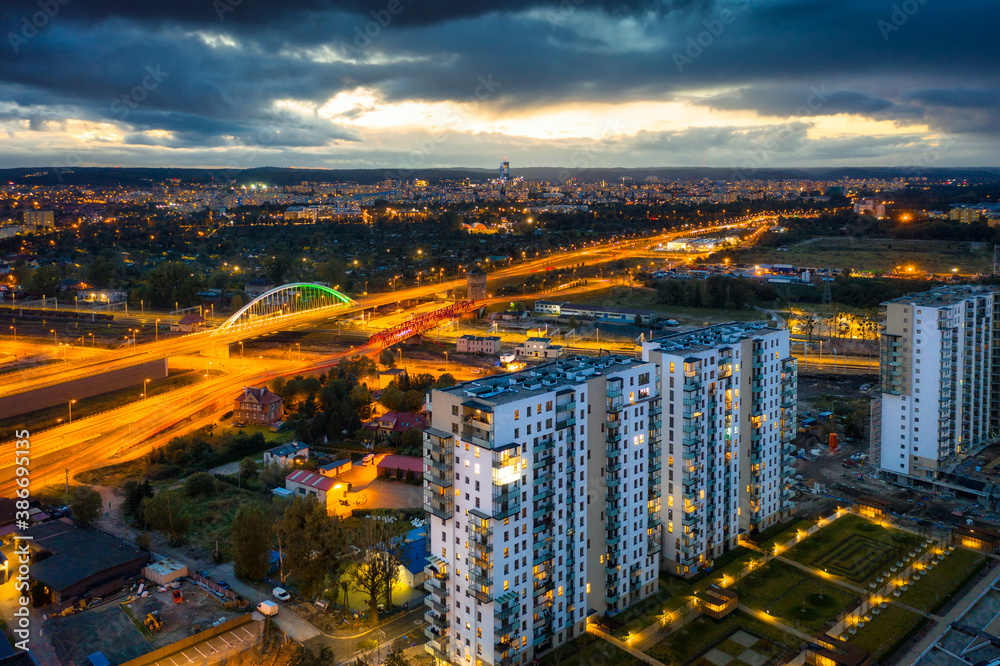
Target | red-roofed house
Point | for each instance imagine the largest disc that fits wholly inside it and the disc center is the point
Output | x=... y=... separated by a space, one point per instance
x=189 y=323
x=400 y=422
x=258 y=405
x=305 y=484
x=391 y=463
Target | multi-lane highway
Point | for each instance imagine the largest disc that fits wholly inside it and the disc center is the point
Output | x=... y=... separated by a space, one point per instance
x=134 y=429
x=27 y=380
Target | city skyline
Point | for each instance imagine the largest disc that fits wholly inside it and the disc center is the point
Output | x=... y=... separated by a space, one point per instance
x=574 y=84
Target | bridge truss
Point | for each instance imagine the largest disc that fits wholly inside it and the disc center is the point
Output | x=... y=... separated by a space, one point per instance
x=286 y=301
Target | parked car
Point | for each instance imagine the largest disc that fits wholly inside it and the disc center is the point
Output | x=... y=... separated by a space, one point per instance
x=267 y=608
x=223 y=584
x=281 y=594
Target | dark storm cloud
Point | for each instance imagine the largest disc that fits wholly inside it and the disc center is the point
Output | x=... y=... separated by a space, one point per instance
x=226 y=68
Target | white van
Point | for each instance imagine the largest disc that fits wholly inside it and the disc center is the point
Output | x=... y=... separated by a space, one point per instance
x=267 y=608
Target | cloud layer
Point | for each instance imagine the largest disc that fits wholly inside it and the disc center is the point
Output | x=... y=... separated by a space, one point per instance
x=403 y=83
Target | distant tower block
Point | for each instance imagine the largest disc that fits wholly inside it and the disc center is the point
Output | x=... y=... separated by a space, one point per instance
x=477 y=284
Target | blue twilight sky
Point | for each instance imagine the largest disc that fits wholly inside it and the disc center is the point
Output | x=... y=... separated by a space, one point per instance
x=404 y=83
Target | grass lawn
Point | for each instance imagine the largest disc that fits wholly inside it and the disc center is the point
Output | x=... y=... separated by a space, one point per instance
x=812 y=604
x=793 y=596
x=51 y=417
x=855 y=549
x=587 y=650
x=781 y=533
x=937 y=585
x=872 y=254
x=764 y=586
x=892 y=626
x=687 y=644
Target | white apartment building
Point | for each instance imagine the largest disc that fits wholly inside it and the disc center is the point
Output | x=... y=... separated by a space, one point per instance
x=729 y=393
x=935 y=358
x=542 y=491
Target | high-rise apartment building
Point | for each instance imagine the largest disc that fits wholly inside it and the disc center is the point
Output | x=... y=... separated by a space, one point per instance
x=729 y=397
x=542 y=488
x=939 y=390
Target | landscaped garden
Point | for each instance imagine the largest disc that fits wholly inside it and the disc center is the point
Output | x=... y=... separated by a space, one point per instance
x=855 y=549
x=744 y=638
x=937 y=584
x=793 y=596
x=885 y=632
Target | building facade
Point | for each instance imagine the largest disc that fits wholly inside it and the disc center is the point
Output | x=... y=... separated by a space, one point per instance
x=939 y=391
x=258 y=406
x=729 y=397
x=39 y=220
x=476 y=344
x=542 y=489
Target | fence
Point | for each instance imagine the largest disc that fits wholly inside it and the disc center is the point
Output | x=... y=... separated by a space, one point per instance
x=185 y=643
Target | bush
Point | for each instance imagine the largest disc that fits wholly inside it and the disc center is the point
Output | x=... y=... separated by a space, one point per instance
x=143 y=541
x=201 y=483
x=85 y=503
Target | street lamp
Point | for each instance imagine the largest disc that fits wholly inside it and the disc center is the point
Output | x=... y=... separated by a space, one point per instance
x=241 y=349
x=53 y=332
x=93 y=341
x=144 y=383
x=71 y=410
x=15 y=333
x=157 y=332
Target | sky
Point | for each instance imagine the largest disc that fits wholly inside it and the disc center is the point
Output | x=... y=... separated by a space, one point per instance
x=403 y=84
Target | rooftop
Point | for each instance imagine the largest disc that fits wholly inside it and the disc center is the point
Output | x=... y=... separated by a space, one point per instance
x=77 y=553
x=291 y=448
x=545 y=378
x=944 y=295
x=311 y=480
x=710 y=337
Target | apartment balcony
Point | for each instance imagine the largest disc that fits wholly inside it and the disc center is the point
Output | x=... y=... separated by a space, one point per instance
x=566 y=407
x=614 y=466
x=437 y=647
x=478 y=423
x=565 y=423
x=690 y=451
x=438 y=620
x=441 y=506
x=436 y=604
x=690 y=519
x=482 y=442
x=544 y=459
x=692 y=384
x=439 y=477
x=656 y=411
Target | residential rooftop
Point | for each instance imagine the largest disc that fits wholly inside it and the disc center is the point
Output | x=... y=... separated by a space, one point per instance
x=502 y=389
x=944 y=295
x=710 y=337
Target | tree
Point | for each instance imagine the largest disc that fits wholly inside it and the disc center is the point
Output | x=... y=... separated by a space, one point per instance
x=251 y=547
x=85 y=503
x=377 y=569
x=272 y=474
x=134 y=493
x=310 y=544
x=248 y=468
x=447 y=380
x=393 y=399
x=166 y=515
x=387 y=358
x=200 y=483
